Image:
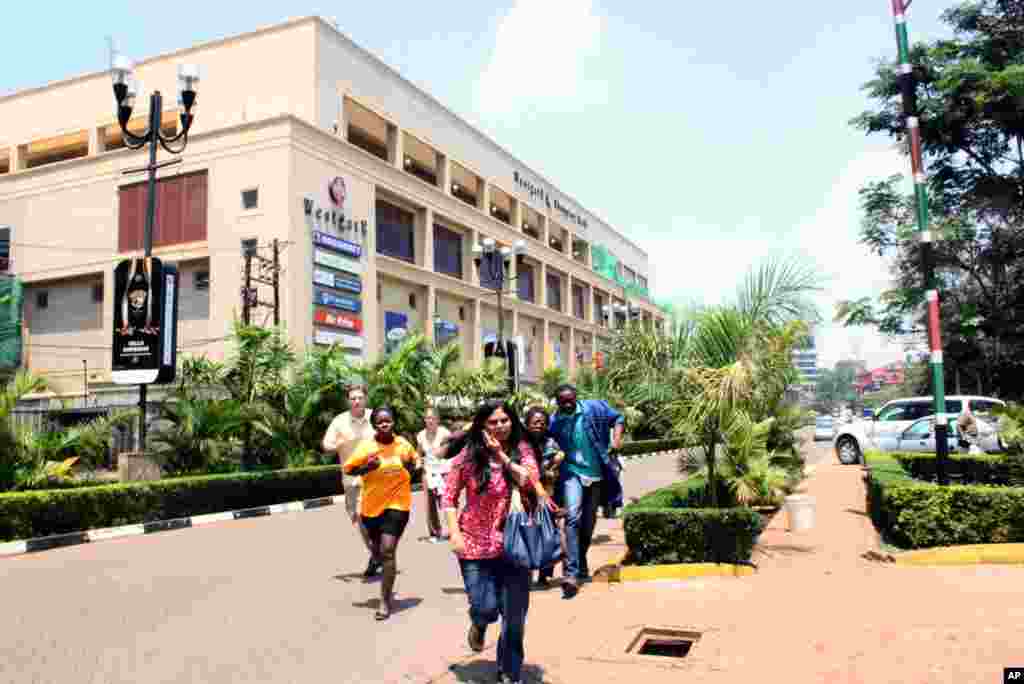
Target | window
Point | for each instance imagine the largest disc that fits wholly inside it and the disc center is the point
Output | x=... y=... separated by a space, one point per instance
x=97 y=292
x=395 y=232
x=578 y=301
x=894 y=413
x=982 y=406
x=180 y=206
x=447 y=251
x=251 y=199
x=642 y=281
x=524 y=286
x=5 y=248
x=952 y=406
x=201 y=280
x=249 y=246
x=922 y=429
x=42 y=299
x=367 y=142
x=412 y=300
x=554 y=291
x=599 y=304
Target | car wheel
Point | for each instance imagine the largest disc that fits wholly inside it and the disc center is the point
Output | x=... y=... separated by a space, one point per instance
x=848 y=451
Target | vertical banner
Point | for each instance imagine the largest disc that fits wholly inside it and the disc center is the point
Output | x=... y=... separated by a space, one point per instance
x=145 y=322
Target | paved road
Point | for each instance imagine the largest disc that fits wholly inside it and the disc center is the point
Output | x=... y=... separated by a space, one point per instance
x=275 y=599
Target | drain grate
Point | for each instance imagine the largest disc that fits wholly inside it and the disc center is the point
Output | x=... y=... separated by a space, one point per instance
x=662 y=642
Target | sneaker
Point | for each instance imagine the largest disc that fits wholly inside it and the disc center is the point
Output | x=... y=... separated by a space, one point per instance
x=475 y=638
x=569 y=590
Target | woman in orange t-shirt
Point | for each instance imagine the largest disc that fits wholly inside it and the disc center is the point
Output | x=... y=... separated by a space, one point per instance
x=386 y=464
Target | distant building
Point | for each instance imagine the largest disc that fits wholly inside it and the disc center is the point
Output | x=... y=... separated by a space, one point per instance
x=874 y=380
x=805 y=360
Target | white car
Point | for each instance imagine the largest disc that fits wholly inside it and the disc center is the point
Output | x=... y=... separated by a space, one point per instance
x=824 y=428
x=888 y=428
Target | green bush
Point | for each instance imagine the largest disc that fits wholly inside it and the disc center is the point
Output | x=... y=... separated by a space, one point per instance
x=25 y=515
x=671 y=525
x=968 y=469
x=649 y=446
x=690 y=535
x=913 y=514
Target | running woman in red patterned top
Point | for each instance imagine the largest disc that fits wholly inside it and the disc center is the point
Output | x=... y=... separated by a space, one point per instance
x=496 y=459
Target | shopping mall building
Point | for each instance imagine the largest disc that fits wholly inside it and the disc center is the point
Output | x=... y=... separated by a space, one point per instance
x=375 y=192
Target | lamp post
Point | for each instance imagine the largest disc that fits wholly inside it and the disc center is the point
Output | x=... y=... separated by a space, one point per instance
x=496 y=270
x=85 y=383
x=126 y=90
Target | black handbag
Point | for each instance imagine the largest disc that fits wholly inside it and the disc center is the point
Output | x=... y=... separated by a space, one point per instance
x=532 y=541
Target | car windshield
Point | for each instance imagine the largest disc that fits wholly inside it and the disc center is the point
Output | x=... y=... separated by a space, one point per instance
x=825 y=422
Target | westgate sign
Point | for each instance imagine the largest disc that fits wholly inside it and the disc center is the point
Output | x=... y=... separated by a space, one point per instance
x=541 y=194
x=329 y=217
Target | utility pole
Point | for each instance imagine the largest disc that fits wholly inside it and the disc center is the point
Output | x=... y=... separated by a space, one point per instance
x=277 y=283
x=247 y=286
x=909 y=97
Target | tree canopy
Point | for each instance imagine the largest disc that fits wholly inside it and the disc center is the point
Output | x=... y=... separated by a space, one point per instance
x=970 y=97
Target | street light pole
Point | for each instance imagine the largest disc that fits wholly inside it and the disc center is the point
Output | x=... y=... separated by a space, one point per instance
x=85 y=383
x=126 y=90
x=907 y=91
x=497 y=273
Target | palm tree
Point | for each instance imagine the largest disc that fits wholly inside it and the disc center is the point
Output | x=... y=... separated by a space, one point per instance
x=739 y=356
x=194 y=434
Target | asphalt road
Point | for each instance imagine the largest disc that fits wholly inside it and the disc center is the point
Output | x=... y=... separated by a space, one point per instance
x=276 y=599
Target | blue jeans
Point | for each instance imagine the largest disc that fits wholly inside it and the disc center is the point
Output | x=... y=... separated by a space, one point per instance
x=497 y=588
x=580 y=505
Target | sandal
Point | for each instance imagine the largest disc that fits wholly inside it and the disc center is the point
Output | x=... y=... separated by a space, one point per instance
x=382 y=613
x=475 y=638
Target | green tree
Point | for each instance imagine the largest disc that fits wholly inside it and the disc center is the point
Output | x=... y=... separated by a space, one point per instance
x=834 y=386
x=971 y=99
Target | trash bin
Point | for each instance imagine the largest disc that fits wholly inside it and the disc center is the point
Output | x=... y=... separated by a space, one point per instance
x=800 y=512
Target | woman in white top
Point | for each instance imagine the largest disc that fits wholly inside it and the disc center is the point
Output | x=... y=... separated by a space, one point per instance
x=428 y=443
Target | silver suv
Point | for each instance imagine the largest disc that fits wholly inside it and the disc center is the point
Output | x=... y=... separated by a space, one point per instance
x=895 y=417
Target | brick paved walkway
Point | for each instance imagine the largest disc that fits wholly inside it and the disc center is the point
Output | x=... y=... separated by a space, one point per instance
x=815 y=612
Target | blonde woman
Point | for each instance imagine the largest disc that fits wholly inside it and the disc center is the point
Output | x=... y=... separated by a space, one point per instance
x=430 y=444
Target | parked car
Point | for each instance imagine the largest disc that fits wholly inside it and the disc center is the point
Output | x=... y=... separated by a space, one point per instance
x=920 y=437
x=824 y=428
x=892 y=420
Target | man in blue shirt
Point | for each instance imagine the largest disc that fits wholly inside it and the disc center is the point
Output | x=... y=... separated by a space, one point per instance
x=588 y=478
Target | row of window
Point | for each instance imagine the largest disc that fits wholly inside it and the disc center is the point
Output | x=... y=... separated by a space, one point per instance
x=200 y=281
x=396 y=238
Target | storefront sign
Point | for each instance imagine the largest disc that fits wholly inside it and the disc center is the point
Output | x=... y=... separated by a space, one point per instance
x=337 y=244
x=327 y=298
x=334 y=319
x=145 y=300
x=337 y=262
x=332 y=337
x=445 y=332
x=538 y=193
x=339 y=281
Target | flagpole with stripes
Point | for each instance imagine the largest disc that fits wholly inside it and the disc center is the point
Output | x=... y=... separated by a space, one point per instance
x=907 y=90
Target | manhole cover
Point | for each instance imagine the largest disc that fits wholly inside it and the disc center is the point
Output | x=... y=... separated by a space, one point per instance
x=662 y=642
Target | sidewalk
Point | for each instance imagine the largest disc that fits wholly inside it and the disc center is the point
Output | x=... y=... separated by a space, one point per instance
x=815 y=612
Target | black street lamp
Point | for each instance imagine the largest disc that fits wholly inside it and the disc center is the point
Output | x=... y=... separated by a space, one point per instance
x=126 y=90
x=497 y=272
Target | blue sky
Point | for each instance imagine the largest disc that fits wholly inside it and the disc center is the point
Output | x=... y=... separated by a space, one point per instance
x=711 y=134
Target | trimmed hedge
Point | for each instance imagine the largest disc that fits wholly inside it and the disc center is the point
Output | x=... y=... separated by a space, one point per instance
x=978 y=469
x=649 y=446
x=24 y=515
x=670 y=525
x=912 y=514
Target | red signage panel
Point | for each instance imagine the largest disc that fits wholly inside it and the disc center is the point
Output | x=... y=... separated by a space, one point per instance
x=338 y=319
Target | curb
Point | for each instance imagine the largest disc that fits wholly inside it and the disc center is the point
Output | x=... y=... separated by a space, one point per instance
x=17 y=548
x=617 y=572
x=973 y=554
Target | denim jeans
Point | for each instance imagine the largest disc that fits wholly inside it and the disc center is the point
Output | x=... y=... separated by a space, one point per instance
x=580 y=504
x=497 y=588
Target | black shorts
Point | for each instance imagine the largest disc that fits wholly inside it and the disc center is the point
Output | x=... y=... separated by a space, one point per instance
x=389 y=522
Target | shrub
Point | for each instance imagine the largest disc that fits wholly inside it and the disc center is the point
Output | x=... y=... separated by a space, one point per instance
x=691 y=535
x=913 y=514
x=969 y=469
x=26 y=515
x=670 y=525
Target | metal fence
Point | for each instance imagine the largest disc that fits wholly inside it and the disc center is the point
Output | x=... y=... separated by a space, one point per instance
x=125 y=438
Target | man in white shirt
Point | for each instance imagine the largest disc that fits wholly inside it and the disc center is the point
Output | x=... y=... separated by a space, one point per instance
x=343 y=435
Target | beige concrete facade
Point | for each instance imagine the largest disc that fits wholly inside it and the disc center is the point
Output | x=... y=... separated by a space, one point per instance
x=288 y=138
